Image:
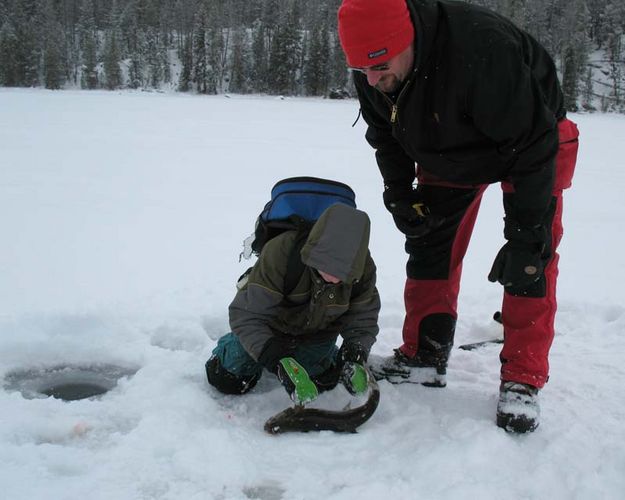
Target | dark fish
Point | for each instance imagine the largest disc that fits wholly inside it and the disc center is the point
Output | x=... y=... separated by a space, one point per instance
x=301 y=419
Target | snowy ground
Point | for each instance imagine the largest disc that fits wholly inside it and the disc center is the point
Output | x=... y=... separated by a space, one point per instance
x=122 y=216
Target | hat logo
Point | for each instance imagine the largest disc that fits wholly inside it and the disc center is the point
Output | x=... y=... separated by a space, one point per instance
x=377 y=53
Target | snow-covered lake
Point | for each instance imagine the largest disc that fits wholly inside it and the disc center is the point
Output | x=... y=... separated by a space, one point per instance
x=121 y=222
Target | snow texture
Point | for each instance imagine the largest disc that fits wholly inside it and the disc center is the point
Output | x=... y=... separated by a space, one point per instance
x=122 y=216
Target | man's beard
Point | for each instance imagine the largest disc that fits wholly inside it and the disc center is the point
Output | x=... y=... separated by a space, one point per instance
x=388 y=84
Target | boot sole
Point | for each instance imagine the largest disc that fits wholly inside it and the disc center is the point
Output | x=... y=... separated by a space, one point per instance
x=407 y=378
x=515 y=423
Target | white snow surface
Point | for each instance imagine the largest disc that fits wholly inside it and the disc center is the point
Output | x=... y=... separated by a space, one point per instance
x=122 y=216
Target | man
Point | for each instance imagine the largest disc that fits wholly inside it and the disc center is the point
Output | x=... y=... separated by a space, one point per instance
x=471 y=100
x=293 y=334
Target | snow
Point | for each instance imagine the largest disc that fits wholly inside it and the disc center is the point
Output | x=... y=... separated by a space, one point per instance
x=122 y=217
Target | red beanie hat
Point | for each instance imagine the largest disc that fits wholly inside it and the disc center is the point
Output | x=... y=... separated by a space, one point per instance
x=374 y=31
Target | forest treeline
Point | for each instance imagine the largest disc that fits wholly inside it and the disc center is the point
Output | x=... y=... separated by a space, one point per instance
x=282 y=47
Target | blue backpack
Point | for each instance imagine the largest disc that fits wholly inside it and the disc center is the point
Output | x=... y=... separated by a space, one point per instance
x=296 y=203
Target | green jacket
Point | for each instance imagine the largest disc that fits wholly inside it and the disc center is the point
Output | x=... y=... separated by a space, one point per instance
x=315 y=311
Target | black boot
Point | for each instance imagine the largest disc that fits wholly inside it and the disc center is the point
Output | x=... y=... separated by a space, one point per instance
x=227 y=382
x=518 y=409
x=429 y=366
x=399 y=369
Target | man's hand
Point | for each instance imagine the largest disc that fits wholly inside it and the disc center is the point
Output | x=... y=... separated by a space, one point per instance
x=296 y=381
x=353 y=375
x=520 y=262
x=411 y=215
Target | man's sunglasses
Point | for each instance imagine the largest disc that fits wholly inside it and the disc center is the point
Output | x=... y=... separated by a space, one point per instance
x=378 y=67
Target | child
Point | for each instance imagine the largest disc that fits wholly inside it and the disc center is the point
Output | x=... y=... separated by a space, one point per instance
x=293 y=334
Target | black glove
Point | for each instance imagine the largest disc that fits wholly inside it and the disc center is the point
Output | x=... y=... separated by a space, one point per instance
x=274 y=350
x=520 y=261
x=411 y=215
x=353 y=375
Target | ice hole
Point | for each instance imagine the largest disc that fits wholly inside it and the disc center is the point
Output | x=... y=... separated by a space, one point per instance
x=66 y=382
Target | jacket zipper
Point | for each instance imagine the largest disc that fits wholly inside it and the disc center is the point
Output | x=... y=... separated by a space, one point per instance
x=394 y=105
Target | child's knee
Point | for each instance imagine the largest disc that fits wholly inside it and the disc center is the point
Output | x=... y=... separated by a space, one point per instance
x=227 y=382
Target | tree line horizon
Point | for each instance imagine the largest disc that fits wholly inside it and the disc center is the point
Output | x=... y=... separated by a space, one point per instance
x=276 y=47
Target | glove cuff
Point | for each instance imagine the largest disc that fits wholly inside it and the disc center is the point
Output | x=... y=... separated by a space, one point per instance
x=513 y=231
x=396 y=193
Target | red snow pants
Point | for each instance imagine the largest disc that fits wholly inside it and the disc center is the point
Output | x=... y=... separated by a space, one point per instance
x=435 y=265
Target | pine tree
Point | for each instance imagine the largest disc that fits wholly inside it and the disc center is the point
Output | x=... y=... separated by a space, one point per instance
x=163 y=56
x=200 y=52
x=88 y=44
x=570 y=80
x=574 y=52
x=134 y=42
x=185 y=82
x=89 y=79
x=316 y=75
x=240 y=69
x=614 y=15
x=28 y=55
x=9 y=70
x=216 y=55
x=340 y=78
x=259 y=57
x=153 y=60
x=112 y=71
x=53 y=49
x=284 y=56
x=588 y=92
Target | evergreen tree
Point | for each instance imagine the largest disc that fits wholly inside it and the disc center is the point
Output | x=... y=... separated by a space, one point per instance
x=272 y=15
x=340 y=78
x=9 y=69
x=28 y=55
x=284 y=56
x=112 y=71
x=316 y=74
x=134 y=41
x=614 y=15
x=53 y=49
x=570 y=80
x=163 y=56
x=89 y=78
x=153 y=58
x=588 y=92
x=240 y=69
x=259 y=57
x=201 y=63
x=216 y=55
x=574 y=52
x=88 y=43
x=596 y=9
x=185 y=82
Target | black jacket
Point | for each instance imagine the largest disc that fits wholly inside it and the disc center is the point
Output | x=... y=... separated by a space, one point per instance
x=481 y=106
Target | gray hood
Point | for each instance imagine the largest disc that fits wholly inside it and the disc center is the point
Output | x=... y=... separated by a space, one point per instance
x=338 y=243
